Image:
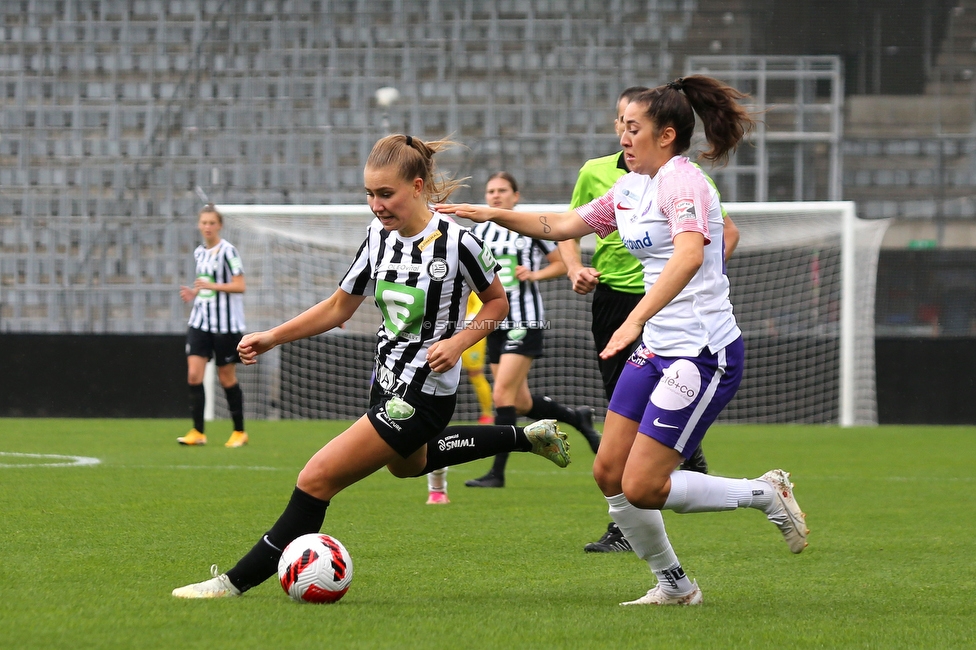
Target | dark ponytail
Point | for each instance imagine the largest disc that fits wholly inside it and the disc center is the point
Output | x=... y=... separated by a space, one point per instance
x=675 y=104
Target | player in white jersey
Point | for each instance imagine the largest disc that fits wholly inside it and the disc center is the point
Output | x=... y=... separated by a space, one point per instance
x=216 y=326
x=689 y=362
x=519 y=340
x=420 y=267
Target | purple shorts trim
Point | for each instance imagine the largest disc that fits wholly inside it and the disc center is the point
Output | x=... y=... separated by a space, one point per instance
x=676 y=399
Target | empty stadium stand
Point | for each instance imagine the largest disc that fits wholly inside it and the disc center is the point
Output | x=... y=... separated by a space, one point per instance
x=116 y=111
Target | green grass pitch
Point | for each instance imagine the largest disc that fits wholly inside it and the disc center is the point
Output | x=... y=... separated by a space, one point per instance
x=89 y=554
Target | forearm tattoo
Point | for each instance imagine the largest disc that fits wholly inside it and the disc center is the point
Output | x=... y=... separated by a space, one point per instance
x=546 y=228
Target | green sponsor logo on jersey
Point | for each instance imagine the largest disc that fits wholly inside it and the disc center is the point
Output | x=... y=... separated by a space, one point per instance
x=487 y=259
x=206 y=294
x=402 y=307
x=507 y=272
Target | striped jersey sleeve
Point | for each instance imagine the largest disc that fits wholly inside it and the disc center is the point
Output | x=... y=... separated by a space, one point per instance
x=478 y=265
x=358 y=280
x=684 y=197
x=599 y=214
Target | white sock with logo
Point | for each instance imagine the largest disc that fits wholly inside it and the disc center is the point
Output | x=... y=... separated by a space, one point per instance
x=644 y=529
x=437 y=480
x=697 y=492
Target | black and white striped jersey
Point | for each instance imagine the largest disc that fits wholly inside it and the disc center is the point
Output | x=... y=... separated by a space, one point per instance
x=421 y=285
x=510 y=250
x=218 y=311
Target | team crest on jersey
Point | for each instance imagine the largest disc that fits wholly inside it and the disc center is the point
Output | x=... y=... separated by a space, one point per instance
x=437 y=269
x=684 y=210
x=520 y=243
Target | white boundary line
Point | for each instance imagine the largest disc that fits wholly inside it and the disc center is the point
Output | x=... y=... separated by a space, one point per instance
x=259 y=468
x=82 y=461
x=75 y=461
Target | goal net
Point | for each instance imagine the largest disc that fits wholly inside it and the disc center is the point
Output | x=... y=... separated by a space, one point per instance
x=802 y=279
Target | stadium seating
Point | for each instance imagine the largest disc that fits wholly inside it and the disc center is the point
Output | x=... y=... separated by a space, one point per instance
x=141 y=79
x=120 y=109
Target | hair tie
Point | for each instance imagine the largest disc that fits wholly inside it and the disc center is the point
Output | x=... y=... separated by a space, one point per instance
x=677 y=84
x=409 y=141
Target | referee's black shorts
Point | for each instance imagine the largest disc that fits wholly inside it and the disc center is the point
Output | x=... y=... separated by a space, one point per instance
x=610 y=309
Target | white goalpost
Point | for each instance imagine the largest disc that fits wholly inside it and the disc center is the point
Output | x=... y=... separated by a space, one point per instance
x=802 y=227
x=802 y=279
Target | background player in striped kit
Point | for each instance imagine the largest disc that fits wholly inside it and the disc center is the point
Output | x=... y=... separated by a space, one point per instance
x=689 y=363
x=519 y=340
x=473 y=364
x=216 y=325
x=420 y=267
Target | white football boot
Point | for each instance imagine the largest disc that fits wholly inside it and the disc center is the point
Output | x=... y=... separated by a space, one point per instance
x=785 y=511
x=217 y=587
x=656 y=596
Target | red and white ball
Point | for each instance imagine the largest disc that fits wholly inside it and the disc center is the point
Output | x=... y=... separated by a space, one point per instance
x=315 y=568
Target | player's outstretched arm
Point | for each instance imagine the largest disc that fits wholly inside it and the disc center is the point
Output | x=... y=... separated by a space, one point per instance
x=328 y=314
x=554 y=226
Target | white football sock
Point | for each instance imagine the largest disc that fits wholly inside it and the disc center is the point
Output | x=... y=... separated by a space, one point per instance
x=644 y=529
x=437 y=480
x=697 y=492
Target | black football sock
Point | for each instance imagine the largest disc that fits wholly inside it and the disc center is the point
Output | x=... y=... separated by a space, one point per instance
x=462 y=444
x=303 y=514
x=235 y=404
x=197 y=400
x=506 y=415
x=503 y=415
x=546 y=408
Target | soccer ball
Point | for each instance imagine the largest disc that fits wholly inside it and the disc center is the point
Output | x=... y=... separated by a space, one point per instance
x=315 y=568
